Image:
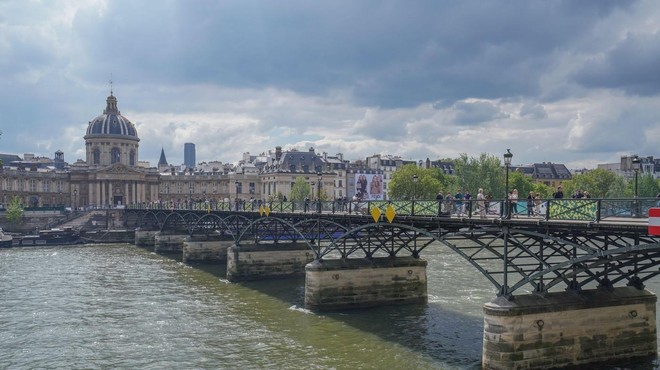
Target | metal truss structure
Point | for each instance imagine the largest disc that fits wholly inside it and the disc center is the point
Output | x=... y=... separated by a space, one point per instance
x=514 y=255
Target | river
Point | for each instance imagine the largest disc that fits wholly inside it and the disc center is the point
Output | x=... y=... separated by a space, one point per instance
x=121 y=307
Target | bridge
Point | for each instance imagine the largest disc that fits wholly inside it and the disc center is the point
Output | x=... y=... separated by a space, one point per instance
x=568 y=278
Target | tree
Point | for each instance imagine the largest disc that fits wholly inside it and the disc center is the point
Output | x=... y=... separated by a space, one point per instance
x=300 y=189
x=646 y=186
x=15 y=210
x=520 y=182
x=597 y=182
x=429 y=182
x=485 y=172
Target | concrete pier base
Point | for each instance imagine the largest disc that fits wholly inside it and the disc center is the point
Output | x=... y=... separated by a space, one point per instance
x=169 y=243
x=569 y=329
x=145 y=238
x=205 y=251
x=256 y=262
x=337 y=284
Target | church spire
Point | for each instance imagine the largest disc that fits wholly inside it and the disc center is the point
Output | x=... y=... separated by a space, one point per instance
x=162 y=161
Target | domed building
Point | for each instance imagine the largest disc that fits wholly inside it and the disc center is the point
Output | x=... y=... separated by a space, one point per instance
x=111 y=138
x=110 y=175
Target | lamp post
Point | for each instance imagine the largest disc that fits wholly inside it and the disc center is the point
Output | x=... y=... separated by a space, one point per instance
x=190 y=191
x=237 y=183
x=75 y=196
x=414 y=179
x=507 y=163
x=319 y=176
x=636 y=164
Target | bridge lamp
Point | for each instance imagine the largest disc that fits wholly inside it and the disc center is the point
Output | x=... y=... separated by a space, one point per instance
x=319 y=176
x=75 y=196
x=507 y=163
x=636 y=165
x=415 y=179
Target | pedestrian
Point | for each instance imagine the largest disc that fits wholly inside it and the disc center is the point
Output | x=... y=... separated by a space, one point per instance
x=514 y=202
x=559 y=194
x=530 y=204
x=458 y=201
x=481 y=203
x=439 y=198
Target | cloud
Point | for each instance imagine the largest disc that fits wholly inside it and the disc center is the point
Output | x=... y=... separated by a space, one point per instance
x=423 y=79
x=474 y=112
x=633 y=65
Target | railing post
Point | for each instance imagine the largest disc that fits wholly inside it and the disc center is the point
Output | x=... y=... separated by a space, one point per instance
x=469 y=206
x=547 y=210
x=599 y=203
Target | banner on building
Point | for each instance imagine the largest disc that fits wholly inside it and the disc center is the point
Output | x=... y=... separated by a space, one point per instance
x=369 y=186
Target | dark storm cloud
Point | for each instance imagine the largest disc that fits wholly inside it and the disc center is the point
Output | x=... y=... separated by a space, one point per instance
x=469 y=113
x=386 y=53
x=632 y=65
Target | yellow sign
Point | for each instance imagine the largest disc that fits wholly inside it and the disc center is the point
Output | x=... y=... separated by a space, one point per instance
x=375 y=213
x=390 y=213
x=267 y=211
x=261 y=210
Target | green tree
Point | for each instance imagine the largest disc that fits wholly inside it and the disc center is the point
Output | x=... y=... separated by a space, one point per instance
x=15 y=210
x=647 y=186
x=300 y=189
x=429 y=182
x=597 y=182
x=520 y=182
x=485 y=172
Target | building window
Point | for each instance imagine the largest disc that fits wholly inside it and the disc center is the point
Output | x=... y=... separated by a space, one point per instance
x=115 y=156
x=46 y=186
x=33 y=186
x=97 y=156
x=131 y=158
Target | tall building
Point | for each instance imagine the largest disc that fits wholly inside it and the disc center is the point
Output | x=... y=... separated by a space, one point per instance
x=189 y=155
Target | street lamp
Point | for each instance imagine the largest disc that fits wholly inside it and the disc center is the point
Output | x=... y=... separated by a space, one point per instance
x=190 y=191
x=75 y=196
x=319 y=176
x=507 y=163
x=237 y=183
x=415 y=179
x=636 y=164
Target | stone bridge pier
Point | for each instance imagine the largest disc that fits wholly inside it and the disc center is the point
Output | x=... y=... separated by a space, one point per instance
x=266 y=261
x=569 y=329
x=356 y=283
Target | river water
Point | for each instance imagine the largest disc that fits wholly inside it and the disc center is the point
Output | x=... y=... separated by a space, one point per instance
x=119 y=306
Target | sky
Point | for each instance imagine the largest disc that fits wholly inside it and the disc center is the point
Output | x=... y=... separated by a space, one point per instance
x=573 y=82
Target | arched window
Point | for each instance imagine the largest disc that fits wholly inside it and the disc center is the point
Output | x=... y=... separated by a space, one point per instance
x=97 y=156
x=115 y=155
x=131 y=158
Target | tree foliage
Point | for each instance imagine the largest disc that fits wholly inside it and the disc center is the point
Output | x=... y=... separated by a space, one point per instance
x=15 y=210
x=429 y=182
x=600 y=183
x=485 y=172
x=300 y=189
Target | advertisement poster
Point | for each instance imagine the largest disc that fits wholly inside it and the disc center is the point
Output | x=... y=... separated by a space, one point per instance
x=369 y=186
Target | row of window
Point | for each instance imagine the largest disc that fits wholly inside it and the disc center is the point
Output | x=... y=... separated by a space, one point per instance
x=32 y=185
x=115 y=156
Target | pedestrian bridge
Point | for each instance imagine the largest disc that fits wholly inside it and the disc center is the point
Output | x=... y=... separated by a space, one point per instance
x=591 y=255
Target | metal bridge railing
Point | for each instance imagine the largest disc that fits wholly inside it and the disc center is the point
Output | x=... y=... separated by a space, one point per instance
x=592 y=209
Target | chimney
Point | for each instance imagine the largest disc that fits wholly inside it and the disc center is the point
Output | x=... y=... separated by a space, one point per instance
x=278 y=153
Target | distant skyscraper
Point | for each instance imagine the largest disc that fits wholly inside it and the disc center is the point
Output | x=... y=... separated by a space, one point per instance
x=189 y=155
